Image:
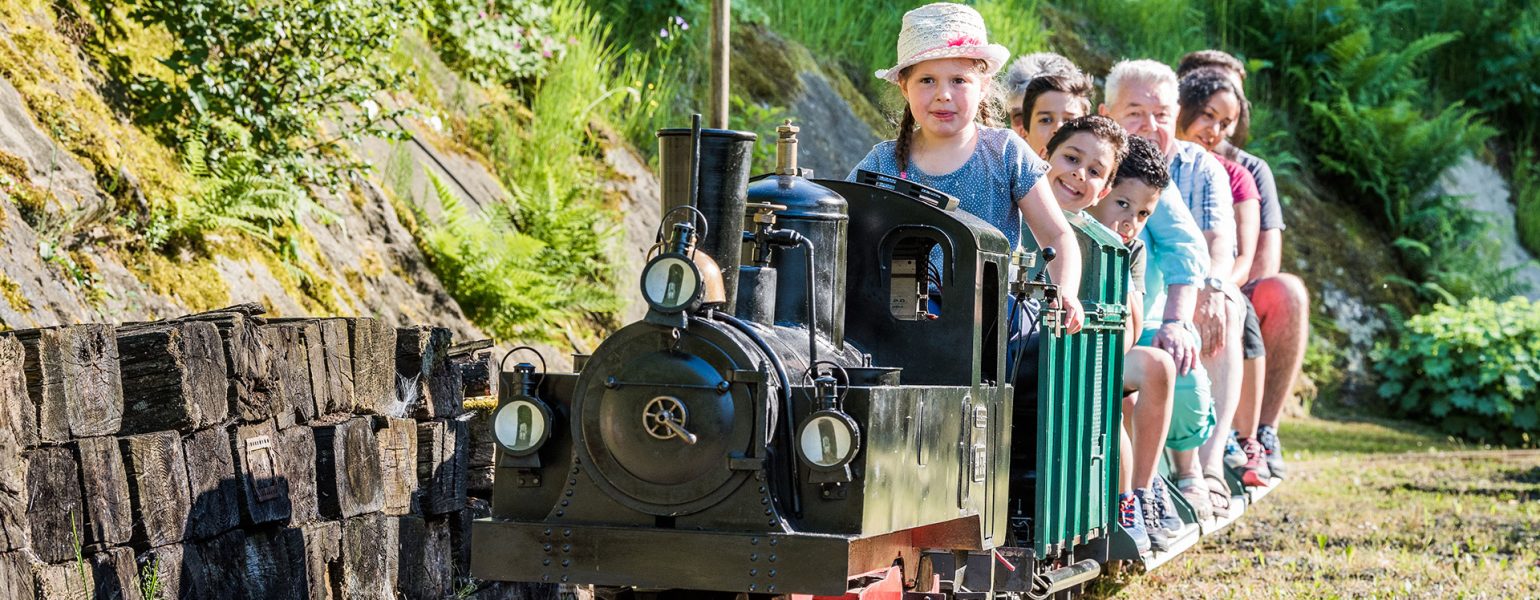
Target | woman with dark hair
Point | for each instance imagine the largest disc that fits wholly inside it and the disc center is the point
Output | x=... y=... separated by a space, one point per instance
x=1211 y=104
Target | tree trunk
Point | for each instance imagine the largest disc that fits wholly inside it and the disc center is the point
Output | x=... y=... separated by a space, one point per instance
x=397 y=441
x=370 y=557
x=251 y=394
x=18 y=415
x=109 y=512
x=441 y=448
x=290 y=372
x=478 y=374
x=213 y=488
x=170 y=563
x=66 y=581
x=55 y=507
x=116 y=575
x=15 y=527
x=433 y=576
x=218 y=567
x=297 y=449
x=348 y=478
x=422 y=363
x=323 y=560
x=480 y=457
x=337 y=356
x=16 y=576
x=264 y=489
x=374 y=367
x=270 y=571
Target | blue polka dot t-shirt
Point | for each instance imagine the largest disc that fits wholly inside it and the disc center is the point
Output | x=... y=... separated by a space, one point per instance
x=998 y=174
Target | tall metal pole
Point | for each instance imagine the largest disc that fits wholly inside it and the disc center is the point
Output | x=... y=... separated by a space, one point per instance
x=721 y=18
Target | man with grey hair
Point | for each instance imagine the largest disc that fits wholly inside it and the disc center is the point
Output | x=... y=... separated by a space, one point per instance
x=1141 y=96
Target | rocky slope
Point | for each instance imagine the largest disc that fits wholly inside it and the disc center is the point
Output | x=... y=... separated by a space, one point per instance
x=66 y=269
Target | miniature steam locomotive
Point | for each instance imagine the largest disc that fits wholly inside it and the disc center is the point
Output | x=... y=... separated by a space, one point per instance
x=818 y=402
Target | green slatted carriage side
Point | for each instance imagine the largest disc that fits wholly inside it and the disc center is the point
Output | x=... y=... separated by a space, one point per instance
x=1080 y=402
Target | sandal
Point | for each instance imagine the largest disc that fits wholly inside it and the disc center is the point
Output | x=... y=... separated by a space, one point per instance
x=1218 y=496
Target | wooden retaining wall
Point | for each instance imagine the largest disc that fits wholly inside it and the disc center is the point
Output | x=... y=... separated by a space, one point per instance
x=232 y=456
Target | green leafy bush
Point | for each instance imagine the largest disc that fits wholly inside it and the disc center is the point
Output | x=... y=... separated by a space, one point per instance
x=1526 y=194
x=495 y=42
x=1473 y=368
x=283 y=70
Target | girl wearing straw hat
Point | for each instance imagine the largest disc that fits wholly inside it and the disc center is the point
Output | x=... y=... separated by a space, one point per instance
x=945 y=69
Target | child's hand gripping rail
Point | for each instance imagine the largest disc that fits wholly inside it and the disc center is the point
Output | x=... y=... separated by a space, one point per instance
x=1038 y=288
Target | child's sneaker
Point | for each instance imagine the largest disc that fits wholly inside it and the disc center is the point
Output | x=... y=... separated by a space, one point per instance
x=1254 y=473
x=1131 y=517
x=1235 y=456
x=1268 y=435
x=1160 y=537
x=1166 y=507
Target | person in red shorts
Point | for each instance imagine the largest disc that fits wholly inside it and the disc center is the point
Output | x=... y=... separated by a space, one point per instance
x=1211 y=104
x=1282 y=302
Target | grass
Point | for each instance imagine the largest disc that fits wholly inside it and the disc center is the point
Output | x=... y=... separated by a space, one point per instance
x=1372 y=508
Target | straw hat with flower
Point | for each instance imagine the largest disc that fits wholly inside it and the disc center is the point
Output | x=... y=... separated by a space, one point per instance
x=944 y=30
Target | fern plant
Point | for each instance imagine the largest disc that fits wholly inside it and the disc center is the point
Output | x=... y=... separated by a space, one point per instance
x=513 y=284
x=231 y=192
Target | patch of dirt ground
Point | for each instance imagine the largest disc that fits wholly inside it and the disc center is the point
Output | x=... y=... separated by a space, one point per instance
x=1371 y=510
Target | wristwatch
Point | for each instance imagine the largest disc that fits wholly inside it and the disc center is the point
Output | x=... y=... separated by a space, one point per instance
x=1214 y=283
x=1183 y=323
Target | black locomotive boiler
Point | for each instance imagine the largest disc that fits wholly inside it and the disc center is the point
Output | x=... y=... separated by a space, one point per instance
x=817 y=403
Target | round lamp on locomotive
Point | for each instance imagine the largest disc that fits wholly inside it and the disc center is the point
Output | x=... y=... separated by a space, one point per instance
x=523 y=422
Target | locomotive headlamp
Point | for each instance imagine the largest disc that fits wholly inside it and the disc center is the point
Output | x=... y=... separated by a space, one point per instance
x=671 y=281
x=521 y=426
x=522 y=422
x=828 y=440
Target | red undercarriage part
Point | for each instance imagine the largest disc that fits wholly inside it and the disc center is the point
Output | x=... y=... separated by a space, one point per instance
x=884 y=584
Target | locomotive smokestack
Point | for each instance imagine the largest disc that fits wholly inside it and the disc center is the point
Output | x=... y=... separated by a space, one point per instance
x=723 y=174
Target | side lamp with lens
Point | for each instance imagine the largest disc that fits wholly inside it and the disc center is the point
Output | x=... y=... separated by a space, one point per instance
x=523 y=422
x=829 y=438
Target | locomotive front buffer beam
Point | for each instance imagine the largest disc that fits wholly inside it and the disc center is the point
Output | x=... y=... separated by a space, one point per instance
x=768 y=563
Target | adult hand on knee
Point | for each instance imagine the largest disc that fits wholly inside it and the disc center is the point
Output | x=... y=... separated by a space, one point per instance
x=1176 y=338
x=1210 y=318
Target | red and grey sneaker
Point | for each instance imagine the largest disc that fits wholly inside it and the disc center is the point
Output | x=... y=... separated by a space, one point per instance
x=1255 y=472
